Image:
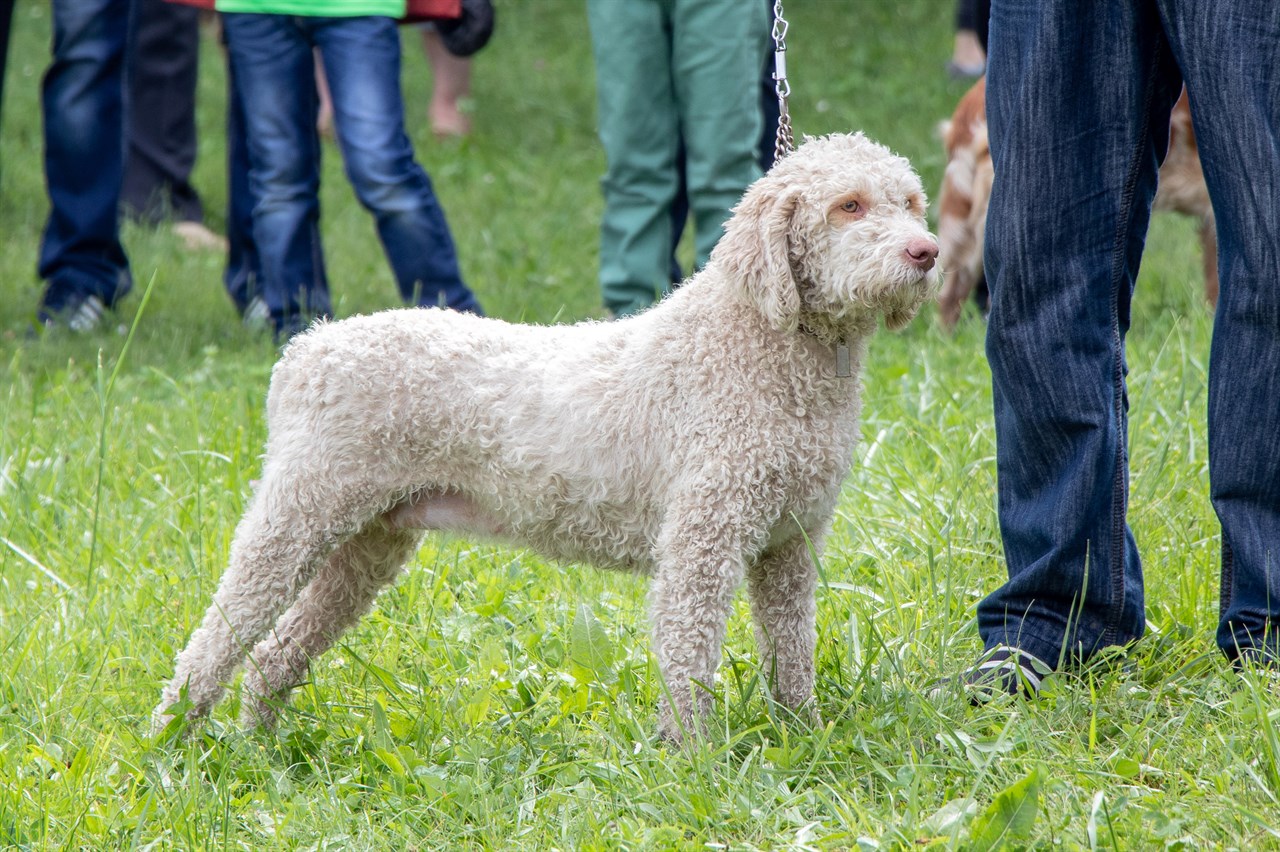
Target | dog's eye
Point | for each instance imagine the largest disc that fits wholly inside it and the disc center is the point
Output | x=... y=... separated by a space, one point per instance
x=851 y=207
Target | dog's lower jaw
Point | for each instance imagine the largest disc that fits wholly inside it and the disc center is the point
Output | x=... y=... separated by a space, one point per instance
x=902 y=308
x=834 y=322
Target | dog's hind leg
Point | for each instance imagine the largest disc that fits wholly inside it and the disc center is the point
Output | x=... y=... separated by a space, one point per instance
x=781 y=585
x=277 y=549
x=341 y=592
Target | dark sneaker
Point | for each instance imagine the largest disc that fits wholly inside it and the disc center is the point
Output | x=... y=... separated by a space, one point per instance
x=81 y=314
x=257 y=317
x=1004 y=670
x=290 y=326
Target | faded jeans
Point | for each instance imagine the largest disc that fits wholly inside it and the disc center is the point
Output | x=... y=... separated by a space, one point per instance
x=271 y=56
x=1078 y=98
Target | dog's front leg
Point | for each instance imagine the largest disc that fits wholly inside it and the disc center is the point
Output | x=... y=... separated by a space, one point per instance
x=689 y=604
x=700 y=564
x=781 y=585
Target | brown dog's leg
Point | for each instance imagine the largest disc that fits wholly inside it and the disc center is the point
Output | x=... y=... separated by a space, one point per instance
x=1209 y=247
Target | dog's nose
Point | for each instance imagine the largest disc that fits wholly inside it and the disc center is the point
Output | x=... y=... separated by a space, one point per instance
x=922 y=253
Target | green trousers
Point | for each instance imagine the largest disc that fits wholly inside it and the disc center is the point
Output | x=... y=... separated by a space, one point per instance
x=671 y=72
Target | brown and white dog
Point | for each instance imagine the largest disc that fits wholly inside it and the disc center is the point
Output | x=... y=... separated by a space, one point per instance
x=966 y=191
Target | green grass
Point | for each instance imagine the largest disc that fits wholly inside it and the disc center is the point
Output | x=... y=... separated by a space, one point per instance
x=466 y=712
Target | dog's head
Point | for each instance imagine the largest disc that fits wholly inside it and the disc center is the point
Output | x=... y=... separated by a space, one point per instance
x=835 y=230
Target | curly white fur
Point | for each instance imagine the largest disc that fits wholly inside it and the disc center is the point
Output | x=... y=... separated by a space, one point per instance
x=700 y=443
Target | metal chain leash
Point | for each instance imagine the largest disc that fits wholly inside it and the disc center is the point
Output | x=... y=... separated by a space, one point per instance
x=785 y=143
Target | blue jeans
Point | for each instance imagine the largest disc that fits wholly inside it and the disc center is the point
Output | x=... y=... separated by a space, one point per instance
x=271 y=57
x=83 y=102
x=1078 y=99
x=243 y=274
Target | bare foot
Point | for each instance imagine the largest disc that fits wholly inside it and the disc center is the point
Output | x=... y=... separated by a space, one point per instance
x=967 y=57
x=450 y=88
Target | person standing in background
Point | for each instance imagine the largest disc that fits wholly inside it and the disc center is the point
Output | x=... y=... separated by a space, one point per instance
x=666 y=71
x=270 y=44
x=161 y=65
x=1078 y=104
x=6 y=20
x=121 y=69
x=82 y=261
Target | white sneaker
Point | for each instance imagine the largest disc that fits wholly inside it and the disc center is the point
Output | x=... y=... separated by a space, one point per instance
x=80 y=315
x=256 y=316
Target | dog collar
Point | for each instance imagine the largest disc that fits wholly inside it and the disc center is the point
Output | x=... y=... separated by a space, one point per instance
x=843 y=369
x=844 y=364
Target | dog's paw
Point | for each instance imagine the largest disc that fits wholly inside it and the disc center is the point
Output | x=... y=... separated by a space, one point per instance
x=809 y=714
x=169 y=723
x=161 y=719
x=259 y=708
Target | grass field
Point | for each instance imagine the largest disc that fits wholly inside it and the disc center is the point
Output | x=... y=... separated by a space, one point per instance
x=496 y=701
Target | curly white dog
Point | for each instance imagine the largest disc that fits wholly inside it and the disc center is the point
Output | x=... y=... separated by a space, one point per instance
x=700 y=442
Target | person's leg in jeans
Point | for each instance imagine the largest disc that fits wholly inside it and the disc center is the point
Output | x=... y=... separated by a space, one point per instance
x=81 y=257
x=274 y=76
x=361 y=59
x=1078 y=100
x=640 y=131
x=1230 y=55
x=242 y=276
x=160 y=80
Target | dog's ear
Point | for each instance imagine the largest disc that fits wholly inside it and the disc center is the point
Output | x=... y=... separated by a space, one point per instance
x=755 y=253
